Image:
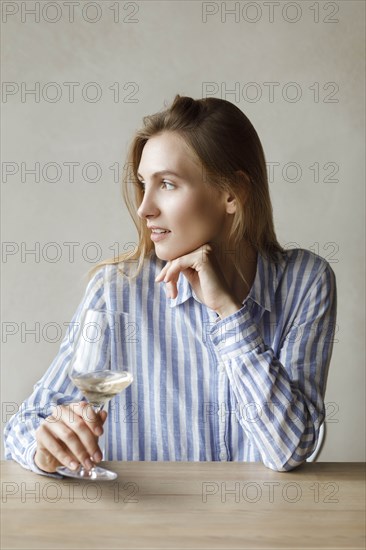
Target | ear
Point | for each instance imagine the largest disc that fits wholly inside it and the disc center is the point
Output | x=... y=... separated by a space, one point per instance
x=241 y=187
x=230 y=203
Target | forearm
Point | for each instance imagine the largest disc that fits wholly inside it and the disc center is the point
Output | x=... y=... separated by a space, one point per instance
x=277 y=417
x=286 y=412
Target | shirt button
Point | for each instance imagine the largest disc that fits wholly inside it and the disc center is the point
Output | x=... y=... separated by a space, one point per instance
x=221 y=367
x=222 y=455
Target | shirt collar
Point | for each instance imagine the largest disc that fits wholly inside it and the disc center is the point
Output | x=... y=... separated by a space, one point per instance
x=262 y=292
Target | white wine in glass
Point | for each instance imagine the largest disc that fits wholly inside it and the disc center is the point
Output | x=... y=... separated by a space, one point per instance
x=100 y=386
x=90 y=371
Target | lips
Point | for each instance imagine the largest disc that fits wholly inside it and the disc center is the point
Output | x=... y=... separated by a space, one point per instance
x=158 y=233
x=158 y=230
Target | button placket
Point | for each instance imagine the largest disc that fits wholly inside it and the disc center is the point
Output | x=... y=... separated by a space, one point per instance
x=222 y=382
x=221 y=394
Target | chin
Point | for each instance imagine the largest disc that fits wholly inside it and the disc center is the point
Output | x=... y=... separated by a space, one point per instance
x=169 y=255
x=163 y=254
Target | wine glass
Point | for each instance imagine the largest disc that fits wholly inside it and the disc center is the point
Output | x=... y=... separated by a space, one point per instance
x=90 y=371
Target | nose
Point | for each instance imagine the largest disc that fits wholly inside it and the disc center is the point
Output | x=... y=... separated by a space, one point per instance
x=148 y=208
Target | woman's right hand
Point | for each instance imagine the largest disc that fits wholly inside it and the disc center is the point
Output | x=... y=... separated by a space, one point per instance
x=69 y=437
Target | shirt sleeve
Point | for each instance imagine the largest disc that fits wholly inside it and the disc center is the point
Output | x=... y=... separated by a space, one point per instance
x=284 y=393
x=54 y=388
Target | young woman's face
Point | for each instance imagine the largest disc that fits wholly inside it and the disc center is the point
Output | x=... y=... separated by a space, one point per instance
x=177 y=199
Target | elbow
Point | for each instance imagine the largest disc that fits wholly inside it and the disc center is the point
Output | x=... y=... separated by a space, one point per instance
x=305 y=449
x=284 y=466
x=287 y=463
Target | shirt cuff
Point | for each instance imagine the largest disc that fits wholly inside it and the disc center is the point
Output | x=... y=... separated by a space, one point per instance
x=31 y=451
x=236 y=334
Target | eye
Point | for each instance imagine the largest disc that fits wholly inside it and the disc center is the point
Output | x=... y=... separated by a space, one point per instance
x=169 y=186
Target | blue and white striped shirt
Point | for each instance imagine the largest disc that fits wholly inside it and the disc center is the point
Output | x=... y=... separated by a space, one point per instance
x=249 y=387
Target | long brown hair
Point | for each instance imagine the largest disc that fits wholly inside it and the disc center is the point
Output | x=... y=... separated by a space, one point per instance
x=232 y=159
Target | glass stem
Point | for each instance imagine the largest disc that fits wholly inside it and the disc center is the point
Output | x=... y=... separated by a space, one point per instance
x=101 y=440
x=101 y=443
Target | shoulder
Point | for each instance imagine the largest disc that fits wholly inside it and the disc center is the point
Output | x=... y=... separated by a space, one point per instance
x=305 y=260
x=299 y=264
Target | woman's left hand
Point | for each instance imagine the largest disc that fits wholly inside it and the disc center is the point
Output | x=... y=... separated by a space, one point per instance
x=203 y=272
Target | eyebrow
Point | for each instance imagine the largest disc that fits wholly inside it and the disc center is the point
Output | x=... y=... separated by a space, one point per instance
x=161 y=173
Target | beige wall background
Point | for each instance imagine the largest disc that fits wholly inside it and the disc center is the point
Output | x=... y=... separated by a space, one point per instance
x=96 y=68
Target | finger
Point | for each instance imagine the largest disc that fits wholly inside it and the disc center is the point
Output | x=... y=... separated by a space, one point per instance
x=171 y=284
x=172 y=268
x=172 y=289
x=77 y=438
x=172 y=274
x=52 y=452
x=86 y=429
x=183 y=264
x=85 y=411
x=87 y=425
x=48 y=463
x=162 y=273
x=91 y=418
x=103 y=416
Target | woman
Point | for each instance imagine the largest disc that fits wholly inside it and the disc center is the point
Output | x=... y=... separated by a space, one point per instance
x=232 y=335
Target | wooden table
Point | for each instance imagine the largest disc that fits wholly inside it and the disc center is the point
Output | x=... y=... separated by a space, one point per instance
x=187 y=505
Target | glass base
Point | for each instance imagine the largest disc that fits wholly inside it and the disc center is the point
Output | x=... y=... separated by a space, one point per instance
x=95 y=474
